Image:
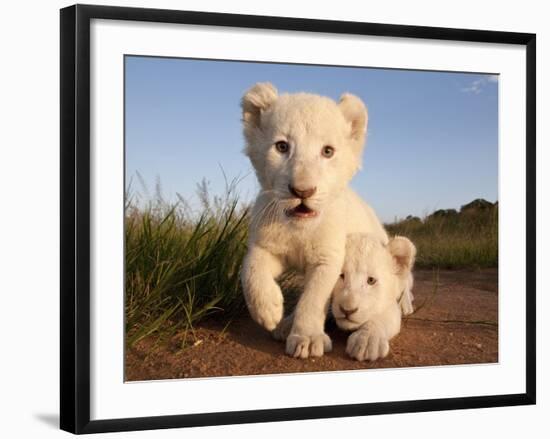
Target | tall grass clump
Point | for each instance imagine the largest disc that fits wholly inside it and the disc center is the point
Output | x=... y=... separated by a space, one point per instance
x=451 y=239
x=182 y=266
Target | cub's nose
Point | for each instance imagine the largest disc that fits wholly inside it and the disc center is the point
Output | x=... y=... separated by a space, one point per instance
x=301 y=193
x=348 y=312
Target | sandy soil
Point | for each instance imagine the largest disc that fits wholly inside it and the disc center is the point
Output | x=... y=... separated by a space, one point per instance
x=455 y=323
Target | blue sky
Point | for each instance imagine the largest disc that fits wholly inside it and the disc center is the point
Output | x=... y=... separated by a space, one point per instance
x=432 y=141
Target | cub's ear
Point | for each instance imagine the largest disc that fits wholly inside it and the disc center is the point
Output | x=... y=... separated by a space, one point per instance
x=403 y=253
x=256 y=100
x=355 y=112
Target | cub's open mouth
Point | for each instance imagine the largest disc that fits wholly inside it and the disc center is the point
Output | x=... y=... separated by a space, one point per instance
x=301 y=211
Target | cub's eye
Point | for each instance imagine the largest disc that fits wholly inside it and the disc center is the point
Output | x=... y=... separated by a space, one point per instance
x=371 y=280
x=282 y=146
x=342 y=276
x=327 y=151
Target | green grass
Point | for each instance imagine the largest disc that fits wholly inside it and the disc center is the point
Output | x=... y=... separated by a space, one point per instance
x=468 y=239
x=182 y=267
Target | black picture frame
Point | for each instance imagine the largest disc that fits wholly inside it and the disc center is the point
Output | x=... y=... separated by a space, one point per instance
x=75 y=217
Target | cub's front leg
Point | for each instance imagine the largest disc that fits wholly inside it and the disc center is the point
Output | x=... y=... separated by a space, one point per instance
x=262 y=293
x=307 y=336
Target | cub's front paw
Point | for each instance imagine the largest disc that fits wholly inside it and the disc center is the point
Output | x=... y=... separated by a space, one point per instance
x=303 y=346
x=270 y=316
x=368 y=343
x=266 y=309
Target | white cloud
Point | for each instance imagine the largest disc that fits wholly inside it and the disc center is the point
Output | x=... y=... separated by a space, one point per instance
x=477 y=86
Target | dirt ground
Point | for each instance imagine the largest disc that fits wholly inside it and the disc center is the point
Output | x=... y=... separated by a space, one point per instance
x=455 y=323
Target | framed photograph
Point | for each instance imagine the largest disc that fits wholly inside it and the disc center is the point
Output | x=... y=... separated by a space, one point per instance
x=274 y=218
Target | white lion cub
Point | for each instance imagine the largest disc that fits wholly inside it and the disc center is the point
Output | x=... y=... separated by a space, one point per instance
x=305 y=149
x=367 y=297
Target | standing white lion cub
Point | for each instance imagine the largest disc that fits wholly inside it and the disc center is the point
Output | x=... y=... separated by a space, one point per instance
x=305 y=149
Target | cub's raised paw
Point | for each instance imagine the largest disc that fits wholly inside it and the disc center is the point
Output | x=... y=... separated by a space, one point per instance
x=367 y=344
x=266 y=309
x=269 y=317
x=304 y=346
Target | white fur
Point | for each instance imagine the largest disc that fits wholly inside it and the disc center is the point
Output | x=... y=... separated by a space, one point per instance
x=315 y=245
x=376 y=316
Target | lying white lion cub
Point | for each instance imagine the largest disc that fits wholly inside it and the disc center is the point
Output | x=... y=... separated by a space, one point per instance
x=367 y=295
